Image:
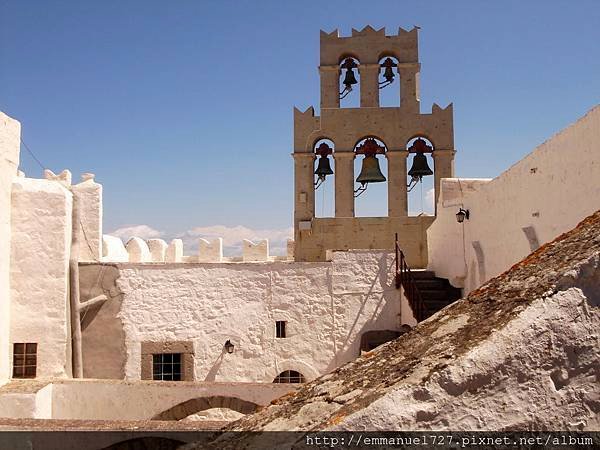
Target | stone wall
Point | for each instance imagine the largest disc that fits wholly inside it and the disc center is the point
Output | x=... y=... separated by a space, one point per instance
x=39 y=272
x=545 y=194
x=10 y=133
x=364 y=232
x=327 y=306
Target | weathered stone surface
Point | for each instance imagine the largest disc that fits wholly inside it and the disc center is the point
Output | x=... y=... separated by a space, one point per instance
x=521 y=352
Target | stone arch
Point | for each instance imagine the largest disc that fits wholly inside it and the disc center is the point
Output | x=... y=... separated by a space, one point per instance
x=195 y=405
x=425 y=136
x=304 y=368
x=345 y=55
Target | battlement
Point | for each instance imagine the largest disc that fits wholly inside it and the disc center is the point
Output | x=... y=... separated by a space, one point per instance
x=369 y=45
x=138 y=250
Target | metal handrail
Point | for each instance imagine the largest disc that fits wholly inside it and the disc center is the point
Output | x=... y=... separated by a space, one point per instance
x=405 y=279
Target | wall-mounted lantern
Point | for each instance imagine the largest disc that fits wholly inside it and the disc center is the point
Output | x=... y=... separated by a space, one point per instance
x=419 y=168
x=461 y=215
x=323 y=166
x=370 y=171
x=229 y=346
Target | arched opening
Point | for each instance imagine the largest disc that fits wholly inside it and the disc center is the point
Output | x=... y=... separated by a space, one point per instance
x=372 y=202
x=214 y=415
x=196 y=405
x=349 y=83
x=290 y=376
x=389 y=82
x=421 y=197
x=324 y=169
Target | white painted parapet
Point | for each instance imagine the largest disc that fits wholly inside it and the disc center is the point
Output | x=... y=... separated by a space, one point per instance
x=64 y=177
x=291 y=245
x=113 y=249
x=210 y=251
x=545 y=194
x=255 y=252
x=175 y=251
x=138 y=250
x=88 y=199
x=39 y=285
x=158 y=249
x=10 y=135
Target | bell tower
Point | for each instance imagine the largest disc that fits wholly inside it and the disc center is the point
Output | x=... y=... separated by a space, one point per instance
x=361 y=65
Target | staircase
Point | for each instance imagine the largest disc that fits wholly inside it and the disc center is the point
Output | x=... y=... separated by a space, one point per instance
x=426 y=293
x=436 y=293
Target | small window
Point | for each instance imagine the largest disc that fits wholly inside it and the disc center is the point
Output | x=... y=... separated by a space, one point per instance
x=280 y=329
x=166 y=366
x=24 y=360
x=289 y=376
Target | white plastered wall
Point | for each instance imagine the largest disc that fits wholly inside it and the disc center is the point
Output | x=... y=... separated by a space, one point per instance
x=545 y=194
x=10 y=132
x=39 y=271
x=327 y=306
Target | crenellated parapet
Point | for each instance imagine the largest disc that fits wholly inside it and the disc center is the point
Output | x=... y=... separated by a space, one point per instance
x=404 y=45
x=157 y=251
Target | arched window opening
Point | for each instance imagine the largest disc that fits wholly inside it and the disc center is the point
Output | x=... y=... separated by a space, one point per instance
x=214 y=414
x=389 y=82
x=324 y=170
x=370 y=175
x=420 y=180
x=349 y=83
x=289 y=376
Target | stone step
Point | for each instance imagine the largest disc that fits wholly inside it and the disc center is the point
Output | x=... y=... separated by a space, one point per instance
x=418 y=274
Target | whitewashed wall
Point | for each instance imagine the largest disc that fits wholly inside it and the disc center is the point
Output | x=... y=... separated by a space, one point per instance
x=10 y=132
x=39 y=271
x=327 y=306
x=545 y=194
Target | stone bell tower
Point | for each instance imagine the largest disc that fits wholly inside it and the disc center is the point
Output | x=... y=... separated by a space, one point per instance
x=393 y=127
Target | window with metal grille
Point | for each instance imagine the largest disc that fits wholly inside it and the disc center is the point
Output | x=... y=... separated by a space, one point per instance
x=289 y=376
x=280 y=329
x=166 y=366
x=24 y=360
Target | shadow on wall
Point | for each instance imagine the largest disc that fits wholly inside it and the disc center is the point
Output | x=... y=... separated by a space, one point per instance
x=195 y=405
x=103 y=336
x=350 y=347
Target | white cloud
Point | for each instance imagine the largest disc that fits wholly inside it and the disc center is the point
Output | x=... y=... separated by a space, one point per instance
x=232 y=237
x=141 y=231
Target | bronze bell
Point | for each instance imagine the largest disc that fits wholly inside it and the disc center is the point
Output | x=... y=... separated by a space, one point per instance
x=370 y=171
x=323 y=167
x=419 y=168
x=349 y=78
x=388 y=73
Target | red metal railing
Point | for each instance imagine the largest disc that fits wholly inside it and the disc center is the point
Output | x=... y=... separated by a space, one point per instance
x=405 y=279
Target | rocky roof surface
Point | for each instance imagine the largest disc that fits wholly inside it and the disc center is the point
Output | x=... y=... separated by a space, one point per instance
x=520 y=352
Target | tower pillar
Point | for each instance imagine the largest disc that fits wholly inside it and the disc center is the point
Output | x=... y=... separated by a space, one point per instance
x=369 y=85
x=409 y=86
x=330 y=86
x=443 y=162
x=397 y=195
x=344 y=183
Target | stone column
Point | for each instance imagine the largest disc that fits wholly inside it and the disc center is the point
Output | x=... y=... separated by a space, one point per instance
x=330 y=86
x=409 y=86
x=443 y=167
x=397 y=196
x=369 y=85
x=304 y=188
x=344 y=183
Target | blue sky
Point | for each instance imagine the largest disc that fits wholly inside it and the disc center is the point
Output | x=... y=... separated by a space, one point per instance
x=184 y=109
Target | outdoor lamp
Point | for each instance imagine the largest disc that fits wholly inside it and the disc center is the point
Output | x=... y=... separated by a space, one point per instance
x=229 y=346
x=461 y=215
